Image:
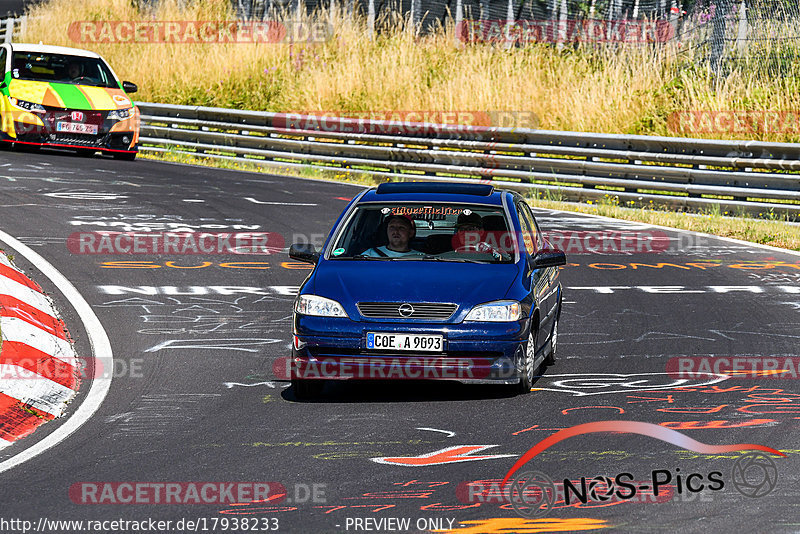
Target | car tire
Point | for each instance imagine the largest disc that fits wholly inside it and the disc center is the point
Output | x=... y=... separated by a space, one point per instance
x=17 y=147
x=306 y=389
x=550 y=359
x=528 y=371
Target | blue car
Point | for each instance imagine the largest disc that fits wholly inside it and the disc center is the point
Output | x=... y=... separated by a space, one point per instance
x=428 y=281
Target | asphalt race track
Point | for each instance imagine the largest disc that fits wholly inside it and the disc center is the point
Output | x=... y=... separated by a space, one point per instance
x=195 y=396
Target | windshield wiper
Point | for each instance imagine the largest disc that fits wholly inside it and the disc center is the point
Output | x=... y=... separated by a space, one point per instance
x=455 y=260
x=363 y=257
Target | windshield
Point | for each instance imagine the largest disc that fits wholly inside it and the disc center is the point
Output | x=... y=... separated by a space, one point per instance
x=427 y=232
x=62 y=68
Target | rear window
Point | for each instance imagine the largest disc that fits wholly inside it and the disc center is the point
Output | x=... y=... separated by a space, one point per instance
x=426 y=232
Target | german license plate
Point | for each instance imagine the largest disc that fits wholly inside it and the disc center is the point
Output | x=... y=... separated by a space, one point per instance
x=412 y=342
x=76 y=127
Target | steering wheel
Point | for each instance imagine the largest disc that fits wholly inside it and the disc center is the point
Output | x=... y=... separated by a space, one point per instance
x=79 y=78
x=483 y=247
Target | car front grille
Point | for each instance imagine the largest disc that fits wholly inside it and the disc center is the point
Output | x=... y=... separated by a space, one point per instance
x=76 y=139
x=407 y=310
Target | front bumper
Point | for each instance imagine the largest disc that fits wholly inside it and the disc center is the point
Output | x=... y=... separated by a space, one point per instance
x=40 y=129
x=477 y=353
x=112 y=142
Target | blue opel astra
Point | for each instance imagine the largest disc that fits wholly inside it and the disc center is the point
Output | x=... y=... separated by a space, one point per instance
x=428 y=281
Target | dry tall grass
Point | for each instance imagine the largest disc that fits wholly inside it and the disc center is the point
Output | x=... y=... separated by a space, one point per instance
x=628 y=91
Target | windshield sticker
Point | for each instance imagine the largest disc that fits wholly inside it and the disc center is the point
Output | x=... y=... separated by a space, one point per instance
x=426 y=211
x=338 y=252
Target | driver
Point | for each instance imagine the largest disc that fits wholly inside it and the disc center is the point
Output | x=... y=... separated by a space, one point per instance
x=470 y=235
x=400 y=230
x=75 y=70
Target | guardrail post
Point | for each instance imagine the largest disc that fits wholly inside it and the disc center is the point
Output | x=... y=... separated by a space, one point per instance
x=371 y=17
x=562 y=25
x=718 y=36
x=741 y=35
x=459 y=20
x=509 y=22
x=9 y=30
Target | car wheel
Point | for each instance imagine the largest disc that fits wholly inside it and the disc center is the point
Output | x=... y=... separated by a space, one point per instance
x=551 y=357
x=125 y=157
x=528 y=370
x=17 y=147
x=306 y=389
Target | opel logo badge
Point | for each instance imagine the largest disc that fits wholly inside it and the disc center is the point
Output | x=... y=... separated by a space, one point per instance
x=406 y=310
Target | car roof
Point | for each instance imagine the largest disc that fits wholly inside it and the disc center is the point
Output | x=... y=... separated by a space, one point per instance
x=48 y=49
x=434 y=192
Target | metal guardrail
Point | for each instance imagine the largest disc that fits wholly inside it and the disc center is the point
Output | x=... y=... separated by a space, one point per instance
x=737 y=176
x=11 y=26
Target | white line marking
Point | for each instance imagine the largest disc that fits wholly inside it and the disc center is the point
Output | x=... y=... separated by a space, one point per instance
x=449 y=433
x=254 y=201
x=229 y=385
x=34 y=390
x=15 y=329
x=101 y=349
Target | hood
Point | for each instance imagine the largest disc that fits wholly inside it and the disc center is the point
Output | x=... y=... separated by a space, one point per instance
x=69 y=96
x=466 y=284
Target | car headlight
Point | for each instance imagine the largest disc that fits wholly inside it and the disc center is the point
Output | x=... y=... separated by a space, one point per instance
x=498 y=311
x=120 y=114
x=27 y=106
x=319 y=306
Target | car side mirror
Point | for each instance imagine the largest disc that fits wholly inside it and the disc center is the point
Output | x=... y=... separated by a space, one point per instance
x=129 y=87
x=304 y=252
x=548 y=257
